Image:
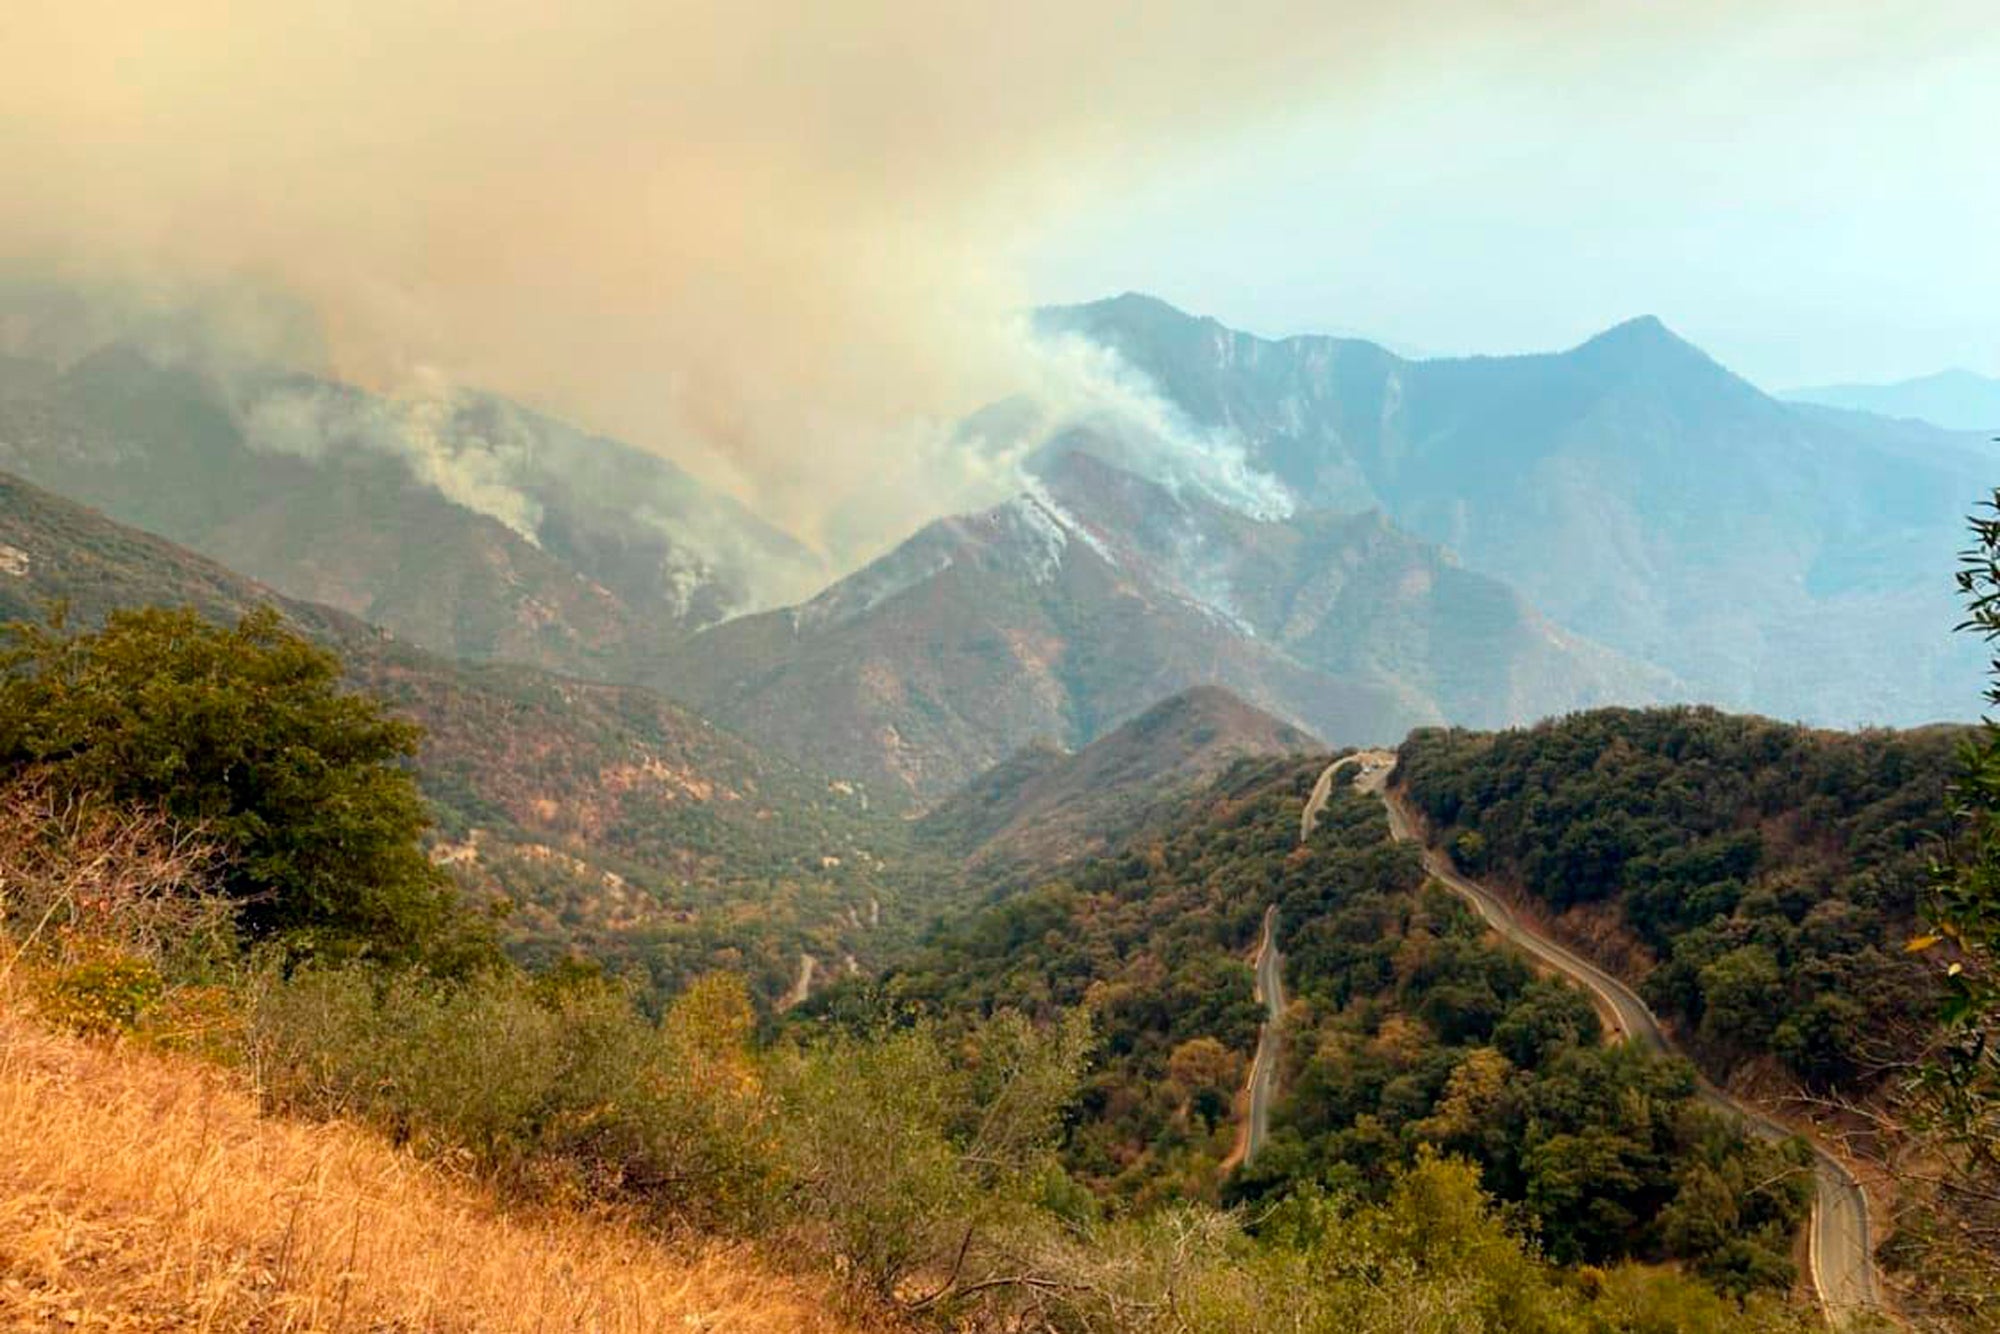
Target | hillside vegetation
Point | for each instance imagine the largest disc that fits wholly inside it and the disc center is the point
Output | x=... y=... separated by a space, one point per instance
x=1409 y=1035
x=1765 y=886
x=1762 y=876
x=611 y=819
x=918 y=1164
x=141 y=1191
x=1044 y=806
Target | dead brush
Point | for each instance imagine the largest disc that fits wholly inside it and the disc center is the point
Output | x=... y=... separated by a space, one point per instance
x=109 y=915
x=142 y=1190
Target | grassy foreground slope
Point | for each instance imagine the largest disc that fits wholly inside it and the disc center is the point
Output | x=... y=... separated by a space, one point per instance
x=142 y=1191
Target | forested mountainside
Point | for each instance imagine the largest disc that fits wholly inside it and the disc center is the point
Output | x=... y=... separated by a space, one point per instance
x=613 y=820
x=467 y=525
x=1046 y=806
x=211 y=846
x=1761 y=884
x=1408 y=1034
x=1761 y=878
x=1080 y=603
x=1776 y=557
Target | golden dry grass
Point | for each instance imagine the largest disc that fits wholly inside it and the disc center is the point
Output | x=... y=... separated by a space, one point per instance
x=140 y=1192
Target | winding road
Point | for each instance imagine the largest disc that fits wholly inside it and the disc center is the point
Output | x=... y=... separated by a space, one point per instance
x=1270 y=980
x=1263 y=1066
x=1840 y=1246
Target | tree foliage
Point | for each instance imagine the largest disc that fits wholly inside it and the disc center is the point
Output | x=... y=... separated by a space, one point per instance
x=1964 y=909
x=1408 y=1033
x=1771 y=870
x=245 y=733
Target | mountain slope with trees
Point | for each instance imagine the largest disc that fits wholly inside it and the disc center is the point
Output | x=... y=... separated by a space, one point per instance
x=611 y=818
x=1409 y=1034
x=467 y=524
x=1045 y=806
x=1766 y=875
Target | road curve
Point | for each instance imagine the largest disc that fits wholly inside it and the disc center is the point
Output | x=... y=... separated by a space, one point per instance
x=1840 y=1246
x=1372 y=762
x=1270 y=992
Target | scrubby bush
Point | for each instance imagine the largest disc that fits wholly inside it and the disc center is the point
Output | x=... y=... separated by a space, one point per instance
x=564 y=1089
x=103 y=995
x=110 y=918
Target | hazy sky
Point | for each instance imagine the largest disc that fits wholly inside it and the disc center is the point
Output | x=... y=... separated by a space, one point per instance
x=781 y=241
x=1811 y=196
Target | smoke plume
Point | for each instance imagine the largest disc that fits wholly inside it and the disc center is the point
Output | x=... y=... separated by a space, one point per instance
x=770 y=241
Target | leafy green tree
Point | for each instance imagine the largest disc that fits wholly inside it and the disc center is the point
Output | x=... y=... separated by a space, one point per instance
x=246 y=733
x=1742 y=994
x=1964 y=910
x=1549 y=1017
x=1578 y=1186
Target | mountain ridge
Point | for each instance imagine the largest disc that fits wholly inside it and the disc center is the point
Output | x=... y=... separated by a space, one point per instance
x=1955 y=399
x=1043 y=805
x=1632 y=488
x=1092 y=594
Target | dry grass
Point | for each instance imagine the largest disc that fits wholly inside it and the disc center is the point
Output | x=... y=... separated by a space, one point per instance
x=140 y=1191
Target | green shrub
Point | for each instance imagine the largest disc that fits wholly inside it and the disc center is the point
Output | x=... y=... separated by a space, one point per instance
x=564 y=1089
x=101 y=996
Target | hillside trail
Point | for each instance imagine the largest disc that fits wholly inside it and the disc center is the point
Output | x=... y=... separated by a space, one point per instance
x=1840 y=1247
x=802 y=987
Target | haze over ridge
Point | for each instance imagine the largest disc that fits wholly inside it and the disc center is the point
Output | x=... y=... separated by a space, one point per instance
x=779 y=247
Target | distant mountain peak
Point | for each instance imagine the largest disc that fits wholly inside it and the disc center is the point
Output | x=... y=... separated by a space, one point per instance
x=1641 y=337
x=1041 y=805
x=1147 y=302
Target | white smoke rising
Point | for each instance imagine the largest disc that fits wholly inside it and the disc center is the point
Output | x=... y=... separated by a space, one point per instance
x=1141 y=430
x=1068 y=385
x=311 y=420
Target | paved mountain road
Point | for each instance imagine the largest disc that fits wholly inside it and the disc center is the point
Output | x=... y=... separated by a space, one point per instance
x=1270 y=980
x=1263 y=1066
x=1840 y=1245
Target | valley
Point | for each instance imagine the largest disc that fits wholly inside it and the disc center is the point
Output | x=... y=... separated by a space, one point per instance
x=1063 y=763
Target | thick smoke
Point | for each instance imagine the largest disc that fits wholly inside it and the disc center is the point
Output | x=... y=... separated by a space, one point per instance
x=768 y=241
x=475 y=470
